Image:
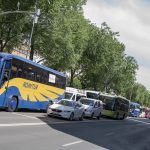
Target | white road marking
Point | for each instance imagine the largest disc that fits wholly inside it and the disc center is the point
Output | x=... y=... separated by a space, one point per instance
x=73 y=143
x=110 y=133
x=25 y=116
x=22 y=124
x=139 y=121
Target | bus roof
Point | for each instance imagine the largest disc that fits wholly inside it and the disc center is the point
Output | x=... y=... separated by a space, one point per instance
x=96 y=92
x=31 y=62
x=113 y=96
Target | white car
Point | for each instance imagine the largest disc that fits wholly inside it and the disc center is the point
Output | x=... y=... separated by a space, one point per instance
x=66 y=109
x=93 y=108
x=142 y=115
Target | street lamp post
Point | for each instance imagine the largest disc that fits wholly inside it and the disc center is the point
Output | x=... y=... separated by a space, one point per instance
x=35 y=20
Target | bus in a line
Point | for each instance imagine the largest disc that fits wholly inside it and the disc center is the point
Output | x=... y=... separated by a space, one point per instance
x=92 y=94
x=26 y=84
x=134 y=109
x=115 y=106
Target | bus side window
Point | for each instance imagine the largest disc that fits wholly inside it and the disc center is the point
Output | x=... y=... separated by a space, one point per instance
x=17 y=69
x=19 y=73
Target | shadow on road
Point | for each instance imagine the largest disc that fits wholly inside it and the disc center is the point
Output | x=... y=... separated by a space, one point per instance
x=108 y=134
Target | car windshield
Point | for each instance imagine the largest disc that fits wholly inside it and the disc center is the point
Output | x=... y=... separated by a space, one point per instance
x=87 y=102
x=66 y=103
x=68 y=95
x=79 y=96
x=92 y=95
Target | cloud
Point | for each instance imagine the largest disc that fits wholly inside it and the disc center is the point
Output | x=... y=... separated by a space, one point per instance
x=132 y=19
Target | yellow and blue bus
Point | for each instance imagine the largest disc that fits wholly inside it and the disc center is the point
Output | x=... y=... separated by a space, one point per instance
x=115 y=106
x=26 y=84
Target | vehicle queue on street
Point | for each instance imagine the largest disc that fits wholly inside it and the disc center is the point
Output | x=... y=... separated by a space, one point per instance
x=94 y=104
x=27 y=85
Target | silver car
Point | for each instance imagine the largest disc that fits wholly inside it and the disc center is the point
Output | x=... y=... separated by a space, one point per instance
x=66 y=109
x=93 y=108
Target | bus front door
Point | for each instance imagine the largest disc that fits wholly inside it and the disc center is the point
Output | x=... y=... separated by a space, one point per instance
x=4 y=80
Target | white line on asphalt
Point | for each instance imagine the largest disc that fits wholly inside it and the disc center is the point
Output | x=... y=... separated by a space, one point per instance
x=139 y=121
x=22 y=124
x=25 y=116
x=73 y=143
x=108 y=134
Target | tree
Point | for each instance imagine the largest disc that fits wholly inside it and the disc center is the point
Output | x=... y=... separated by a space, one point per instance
x=63 y=35
x=105 y=65
x=12 y=25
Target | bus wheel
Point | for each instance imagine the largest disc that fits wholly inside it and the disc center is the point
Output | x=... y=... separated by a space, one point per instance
x=117 y=116
x=12 y=105
x=123 y=117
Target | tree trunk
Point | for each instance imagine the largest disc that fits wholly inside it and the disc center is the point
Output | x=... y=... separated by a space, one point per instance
x=71 y=78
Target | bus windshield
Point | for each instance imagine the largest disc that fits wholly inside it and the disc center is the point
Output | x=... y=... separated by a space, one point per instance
x=134 y=106
x=92 y=95
x=68 y=95
x=108 y=103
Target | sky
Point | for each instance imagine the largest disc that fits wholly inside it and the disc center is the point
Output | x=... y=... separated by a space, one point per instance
x=131 y=18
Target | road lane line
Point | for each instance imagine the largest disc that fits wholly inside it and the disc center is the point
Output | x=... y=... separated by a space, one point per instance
x=73 y=143
x=108 y=134
x=139 y=121
x=22 y=124
x=31 y=117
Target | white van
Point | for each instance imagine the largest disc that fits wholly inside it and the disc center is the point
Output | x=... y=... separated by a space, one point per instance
x=74 y=94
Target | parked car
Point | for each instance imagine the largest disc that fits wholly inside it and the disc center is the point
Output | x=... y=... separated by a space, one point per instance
x=148 y=115
x=66 y=109
x=93 y=108
x=142 y=114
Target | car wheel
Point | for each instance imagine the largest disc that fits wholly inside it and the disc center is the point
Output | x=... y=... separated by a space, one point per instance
x=98 y=117
x=71 y=116
x=92 y=115
x=81 y=118
x=12 y=104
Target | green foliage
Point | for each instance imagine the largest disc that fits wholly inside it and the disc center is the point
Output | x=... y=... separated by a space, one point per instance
x=93 y=56
x=138 y=93
x=12 y=25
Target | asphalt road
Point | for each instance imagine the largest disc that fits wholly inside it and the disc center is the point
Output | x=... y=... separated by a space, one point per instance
x=36 y=131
